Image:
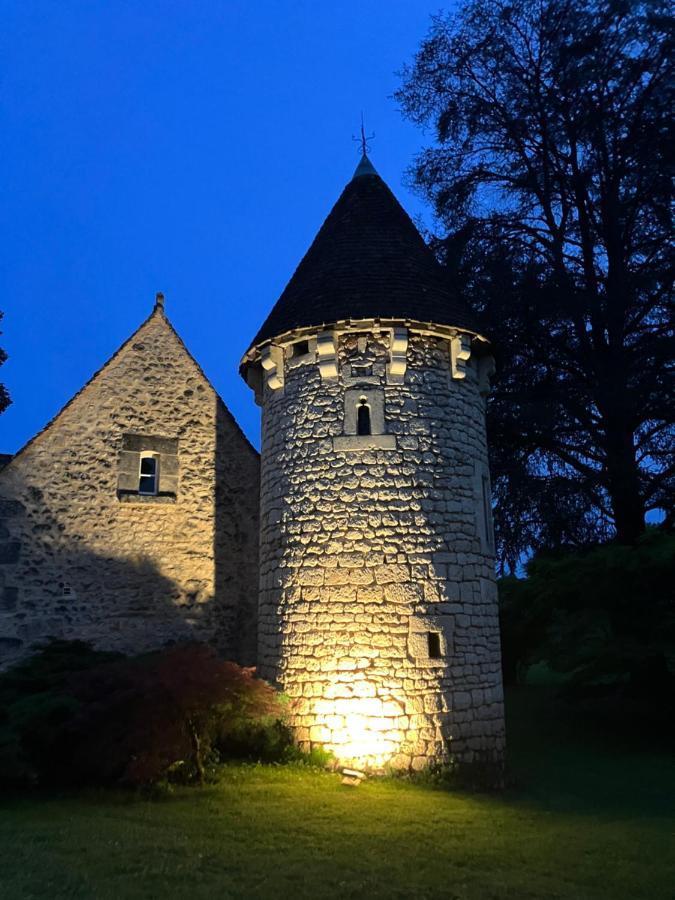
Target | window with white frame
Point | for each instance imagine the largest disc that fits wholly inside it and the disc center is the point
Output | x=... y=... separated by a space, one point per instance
x=148 y=473
x=148 y=468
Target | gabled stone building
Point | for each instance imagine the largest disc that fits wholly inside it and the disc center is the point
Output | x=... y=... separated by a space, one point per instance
x=131 y=520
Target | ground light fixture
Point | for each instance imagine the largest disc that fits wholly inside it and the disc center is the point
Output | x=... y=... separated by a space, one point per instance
x=352 y=777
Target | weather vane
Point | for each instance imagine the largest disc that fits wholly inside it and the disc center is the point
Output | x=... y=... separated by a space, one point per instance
x=363 y=140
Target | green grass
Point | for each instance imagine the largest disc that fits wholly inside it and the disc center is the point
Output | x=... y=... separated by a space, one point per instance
x=586 y=819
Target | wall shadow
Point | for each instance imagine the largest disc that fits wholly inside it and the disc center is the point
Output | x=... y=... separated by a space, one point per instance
x=236 y=536
x=53 y=586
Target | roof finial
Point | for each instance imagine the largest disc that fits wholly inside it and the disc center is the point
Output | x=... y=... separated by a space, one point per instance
x=159 y=300
x=363 y=140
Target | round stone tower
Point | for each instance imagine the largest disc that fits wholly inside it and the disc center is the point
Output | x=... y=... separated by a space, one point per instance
x=378 y=604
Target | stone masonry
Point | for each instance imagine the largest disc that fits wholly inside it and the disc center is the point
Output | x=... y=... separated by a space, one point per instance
x=84 y=555
x=132 y=519
x=378 y=606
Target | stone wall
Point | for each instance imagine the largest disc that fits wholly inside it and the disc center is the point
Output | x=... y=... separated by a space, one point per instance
x=369 y=545
x=82 y=558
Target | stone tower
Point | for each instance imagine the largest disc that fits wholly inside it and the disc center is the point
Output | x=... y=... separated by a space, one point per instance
x=378 y=604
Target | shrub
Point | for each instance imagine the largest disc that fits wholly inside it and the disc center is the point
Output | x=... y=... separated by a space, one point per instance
x=267 y=739
x=50 y=668
x=134 y=720
x=160 y=713
x=35 y=704
x=604 y=618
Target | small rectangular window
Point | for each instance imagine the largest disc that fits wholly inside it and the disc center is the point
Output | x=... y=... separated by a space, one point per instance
x=434 y=644
x=300 y=348
x=148 y=474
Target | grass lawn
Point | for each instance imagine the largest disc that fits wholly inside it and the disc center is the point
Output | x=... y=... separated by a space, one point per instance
x=587 y=819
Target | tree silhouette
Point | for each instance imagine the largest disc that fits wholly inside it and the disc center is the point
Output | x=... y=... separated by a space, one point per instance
x=550 y=176
x=4 y=396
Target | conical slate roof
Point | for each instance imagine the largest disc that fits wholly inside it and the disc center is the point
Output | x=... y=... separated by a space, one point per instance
x=367 y=261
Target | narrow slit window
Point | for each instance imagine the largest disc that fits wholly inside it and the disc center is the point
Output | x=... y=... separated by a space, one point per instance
x=434 y=644
x=148 y=477
x=363 y=417
x=487 y=511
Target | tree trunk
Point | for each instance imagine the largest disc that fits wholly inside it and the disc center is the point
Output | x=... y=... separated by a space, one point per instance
x=623 y=485
x=197 y=753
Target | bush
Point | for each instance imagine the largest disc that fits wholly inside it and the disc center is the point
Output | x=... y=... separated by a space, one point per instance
x=269 y=739
x=75 y=716
x=605 y=619
x=35 y=703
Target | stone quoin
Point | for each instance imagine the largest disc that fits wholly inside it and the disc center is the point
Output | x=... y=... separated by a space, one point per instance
x=378 y=605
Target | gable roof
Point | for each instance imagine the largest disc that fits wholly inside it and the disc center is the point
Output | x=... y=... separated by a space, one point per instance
x=157 y=312
x=368 y=261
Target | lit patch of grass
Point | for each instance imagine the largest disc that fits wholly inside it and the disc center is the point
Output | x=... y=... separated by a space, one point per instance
x=582 y=823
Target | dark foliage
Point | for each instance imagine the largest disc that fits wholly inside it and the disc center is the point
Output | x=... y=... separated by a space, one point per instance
x=35 y=704
x=50 y=669
x=605 y=618
x=4 y=396
x=71 y=715
x=551 y=177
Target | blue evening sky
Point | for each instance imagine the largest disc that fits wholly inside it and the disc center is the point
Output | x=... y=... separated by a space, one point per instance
x=192 y=147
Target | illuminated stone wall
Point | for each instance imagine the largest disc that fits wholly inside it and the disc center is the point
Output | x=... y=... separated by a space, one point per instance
x=80 y=558
x=371 y=544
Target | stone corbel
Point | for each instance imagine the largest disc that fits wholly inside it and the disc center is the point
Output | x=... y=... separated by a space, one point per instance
x=255 y=381
x=272 y=359
x=460 y=351
x=327 y=352
x=398 y=354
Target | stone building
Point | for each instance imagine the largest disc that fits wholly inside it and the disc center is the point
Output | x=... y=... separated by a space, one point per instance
x=378 y=605
x=132 y=518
